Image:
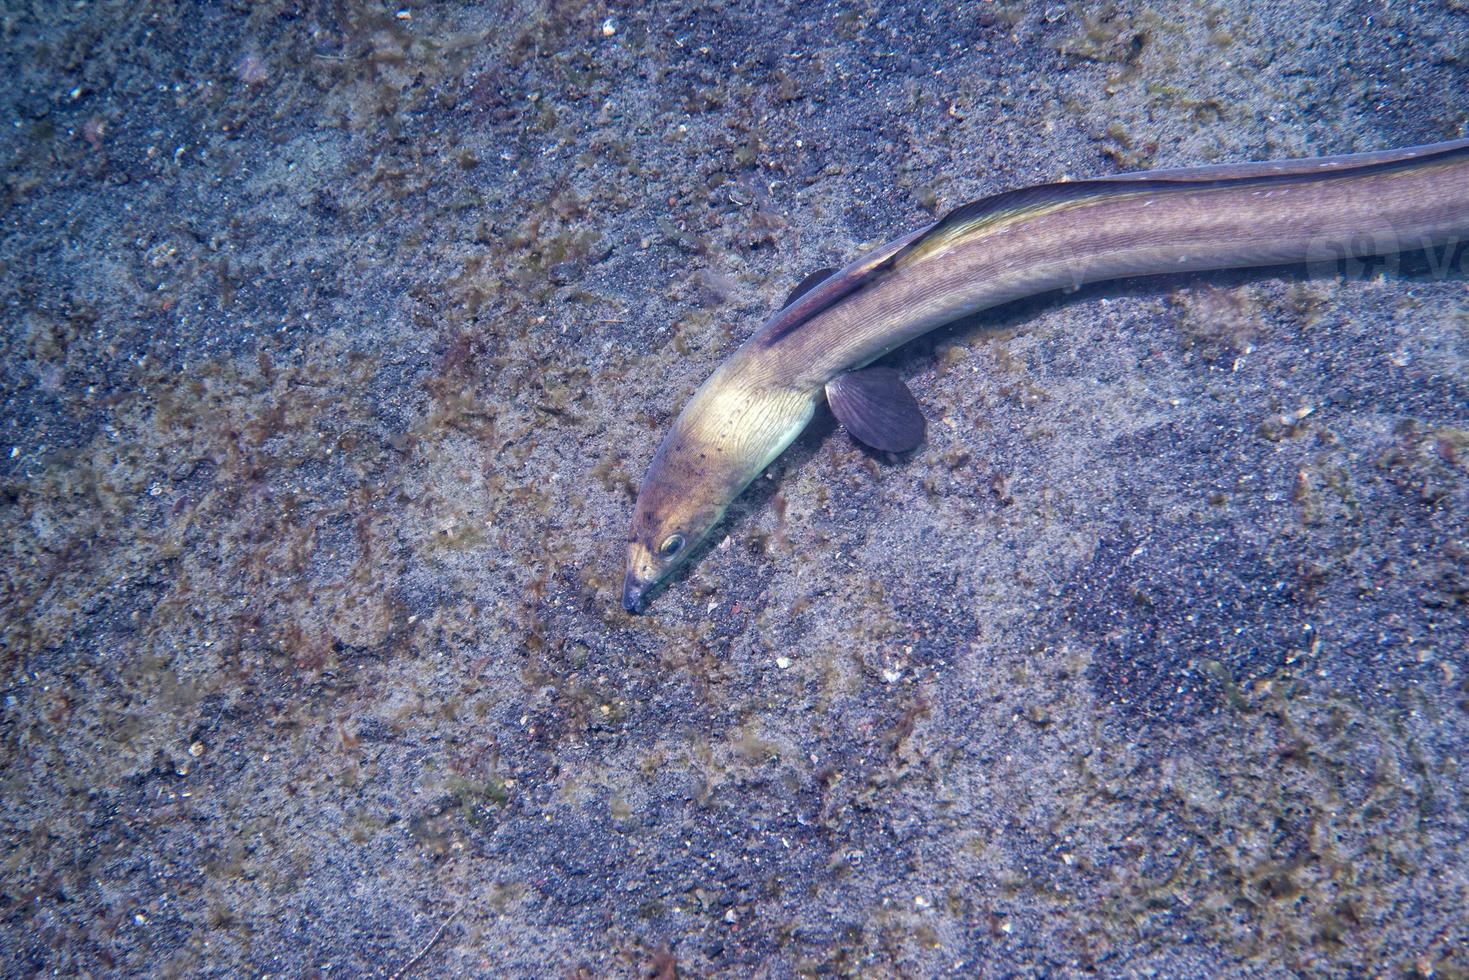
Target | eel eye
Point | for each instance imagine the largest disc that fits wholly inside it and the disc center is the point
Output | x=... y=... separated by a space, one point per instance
x=671 y=545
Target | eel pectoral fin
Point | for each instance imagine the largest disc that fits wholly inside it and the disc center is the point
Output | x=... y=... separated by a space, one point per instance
x=806 y=285
x=877 y=408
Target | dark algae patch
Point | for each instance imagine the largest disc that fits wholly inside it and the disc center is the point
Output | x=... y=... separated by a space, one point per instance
x=337 y=336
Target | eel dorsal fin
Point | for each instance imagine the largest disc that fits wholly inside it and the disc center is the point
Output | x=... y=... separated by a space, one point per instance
x=877 y=408
x=806 y=285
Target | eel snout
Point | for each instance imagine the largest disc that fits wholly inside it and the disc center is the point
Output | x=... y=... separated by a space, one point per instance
x=633 y=589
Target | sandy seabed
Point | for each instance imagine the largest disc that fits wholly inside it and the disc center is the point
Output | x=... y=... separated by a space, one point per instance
x=336 y=339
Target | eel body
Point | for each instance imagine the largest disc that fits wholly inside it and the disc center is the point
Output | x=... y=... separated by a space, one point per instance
x=1001 y=248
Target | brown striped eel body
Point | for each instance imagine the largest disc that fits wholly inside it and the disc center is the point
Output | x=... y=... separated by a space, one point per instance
x=1001 y=248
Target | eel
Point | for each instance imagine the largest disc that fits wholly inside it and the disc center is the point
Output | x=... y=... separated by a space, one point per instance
x=1000 y=248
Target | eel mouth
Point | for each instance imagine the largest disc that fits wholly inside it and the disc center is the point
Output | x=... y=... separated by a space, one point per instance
x=633 y=590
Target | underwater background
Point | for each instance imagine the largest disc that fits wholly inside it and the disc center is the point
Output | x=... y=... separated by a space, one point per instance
x=338 y=335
